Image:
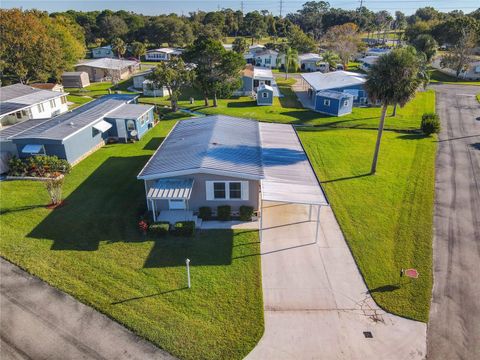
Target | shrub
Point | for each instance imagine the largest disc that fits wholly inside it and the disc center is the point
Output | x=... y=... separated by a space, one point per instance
x=430 y=123
x=54 y=188
x=224 y=212
x=40 y=166
x=246 y=213
x=205 y=213
x=184 y=228
x=160 y=228
x=16 y=167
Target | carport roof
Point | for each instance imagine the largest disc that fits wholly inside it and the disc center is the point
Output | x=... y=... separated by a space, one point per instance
x=288 y=174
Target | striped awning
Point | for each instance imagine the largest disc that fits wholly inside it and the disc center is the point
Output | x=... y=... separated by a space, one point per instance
x=171 y=189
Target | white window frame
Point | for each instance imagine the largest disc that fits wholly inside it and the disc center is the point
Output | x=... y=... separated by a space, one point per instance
x=244 y=190
x=53 y=104
x=326 y=102
x=40 y=108
x=264 y=95
x=129 y=122
x=345 y=102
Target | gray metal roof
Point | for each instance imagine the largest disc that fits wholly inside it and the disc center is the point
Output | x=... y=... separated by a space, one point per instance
x=333 y=94
x=64 y=125
x=18 y=96
x=289 y=177
x=129 y=111
x=171 y=189
x=333 y=80
x=107 y=63
x=18 y=128
x=214 y=144
x=73 y=73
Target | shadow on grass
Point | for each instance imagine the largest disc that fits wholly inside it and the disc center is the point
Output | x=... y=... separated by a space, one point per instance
x=241 y=104
x=21 y=208
x=413 y=136
x=154 y=143
x=104 y=207
x=346 y=178
x=385 y=288
x=148 y=296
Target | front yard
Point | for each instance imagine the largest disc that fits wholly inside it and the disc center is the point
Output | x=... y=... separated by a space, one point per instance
x=91 y=249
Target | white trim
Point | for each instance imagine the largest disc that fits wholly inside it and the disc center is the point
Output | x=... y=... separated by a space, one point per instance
x=197 y=171
x=210 y=193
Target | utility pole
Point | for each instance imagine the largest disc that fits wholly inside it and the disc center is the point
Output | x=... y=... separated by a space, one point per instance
x=241 y=6
x=361 y=4
x=281 y=7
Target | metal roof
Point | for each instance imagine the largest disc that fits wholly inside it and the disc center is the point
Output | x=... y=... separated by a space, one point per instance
x=262 y=73
x=171 y=189
x=265 y=87
x=309 y=57
x=73 y=73
x=10 y=131
x=129 y=111
x=372 y=59
x=333 y=80
x=18 y=96
x=167 y=51
x=107 y=63
x=289 y=177
x=214 y=145
x=67 y=124
x=333 y=94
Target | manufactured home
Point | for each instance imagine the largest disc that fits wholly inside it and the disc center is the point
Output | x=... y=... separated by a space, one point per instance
x=162 y=54
x=108 y=69
x=140 y=82
x=221 y=160
x=103 y=52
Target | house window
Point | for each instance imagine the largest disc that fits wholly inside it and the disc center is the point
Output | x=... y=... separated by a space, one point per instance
x=264 y=95
x=19 y=114
x=219 y=190
x=235 y=190
x=40 y=108
x=63 y=99
x=268 y=61
x=326 y=102
x=345 y=103
x=52 y=103
x=130 y=125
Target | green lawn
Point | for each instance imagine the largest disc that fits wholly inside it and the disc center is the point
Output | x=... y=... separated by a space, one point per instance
x=437 y=76
x=478 y=97
x=91 y=249
x=78 y=100
x=101 y=88
x=386 y=218
x=288 y=110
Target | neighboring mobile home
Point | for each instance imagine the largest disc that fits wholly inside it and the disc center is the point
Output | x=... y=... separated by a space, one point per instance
x=367 y=62
x=20 y=102
x=312 y=62
x=76 y=134
x=141 y=82
x=103 y=52
x=108 y=69
x=338 y=81
x=162 y=54
x=221 y=160
x=262 y=57
x=253 y=77
x=75 y=79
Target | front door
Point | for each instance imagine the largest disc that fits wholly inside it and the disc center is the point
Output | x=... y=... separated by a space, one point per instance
x=177 y=204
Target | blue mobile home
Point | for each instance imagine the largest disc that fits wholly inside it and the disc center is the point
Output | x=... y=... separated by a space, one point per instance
x=348 y=83
x=76 y=134
x=333 y=102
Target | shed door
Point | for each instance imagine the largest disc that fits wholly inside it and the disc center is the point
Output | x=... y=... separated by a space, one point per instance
x=121 y=129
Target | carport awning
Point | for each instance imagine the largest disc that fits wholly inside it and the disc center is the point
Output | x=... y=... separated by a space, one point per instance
x=171 y=189
x=32 y=149
x=102 y=126
x=288 y=175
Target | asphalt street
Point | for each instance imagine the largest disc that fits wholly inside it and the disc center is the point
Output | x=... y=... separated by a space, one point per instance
x=454 y=327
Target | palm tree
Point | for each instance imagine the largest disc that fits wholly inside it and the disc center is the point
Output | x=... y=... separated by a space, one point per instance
x=331 y=58
x=291 y=59
x=118 y=46
x=394 y=79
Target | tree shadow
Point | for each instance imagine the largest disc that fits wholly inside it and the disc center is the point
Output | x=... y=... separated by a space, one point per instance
x=345 y=178
x=148 y=296
x=20 y=208
x=241 y=104
x=154 y=143
x=104 y=207
x=385 y=288
x=413 y=136
x=208 y=247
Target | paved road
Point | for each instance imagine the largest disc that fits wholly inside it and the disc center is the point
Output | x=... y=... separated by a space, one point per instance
x=454 y=328
x=316 y=304
x=40 y=322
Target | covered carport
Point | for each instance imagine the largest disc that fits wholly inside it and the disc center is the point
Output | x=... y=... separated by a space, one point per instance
x=288 y=175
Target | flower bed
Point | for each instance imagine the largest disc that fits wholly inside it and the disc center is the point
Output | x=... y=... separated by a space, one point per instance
x=41 y=167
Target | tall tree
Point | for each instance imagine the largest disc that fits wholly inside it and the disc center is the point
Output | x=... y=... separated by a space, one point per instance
x=138 y=49
x=344 y=40
x=290 y=58
x=175 y=75
x=240 y=45
x=254 y=25
x=394 y=79
x=426 y=44
x=300 y=41
x=119 y=47
x=331 y=58
x=112 y=26
x=460 y=55
x=217 y=70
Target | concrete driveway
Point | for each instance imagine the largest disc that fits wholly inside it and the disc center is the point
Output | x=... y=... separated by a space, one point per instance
x=454 y=327
x=316 y=303
x=40 y=322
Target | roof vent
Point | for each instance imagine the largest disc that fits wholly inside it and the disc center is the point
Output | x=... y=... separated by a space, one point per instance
x=71 y=123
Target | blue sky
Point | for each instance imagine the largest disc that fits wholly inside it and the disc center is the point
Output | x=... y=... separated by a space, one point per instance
x=155 y=7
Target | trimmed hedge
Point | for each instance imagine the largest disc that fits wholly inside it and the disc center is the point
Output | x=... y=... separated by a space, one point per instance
x=205 y=213
x=160 y=228
x=430 y=123
x=184 y=228
x=224 y=212
x=246 y=213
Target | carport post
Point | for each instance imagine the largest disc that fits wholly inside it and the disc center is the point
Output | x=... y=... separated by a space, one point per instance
x=153 y=209
x=261 y=218
x=318 y=223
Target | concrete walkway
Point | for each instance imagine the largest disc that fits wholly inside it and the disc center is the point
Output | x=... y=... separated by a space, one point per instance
x=302 y=94
x=39 y=322
x=316 y=303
